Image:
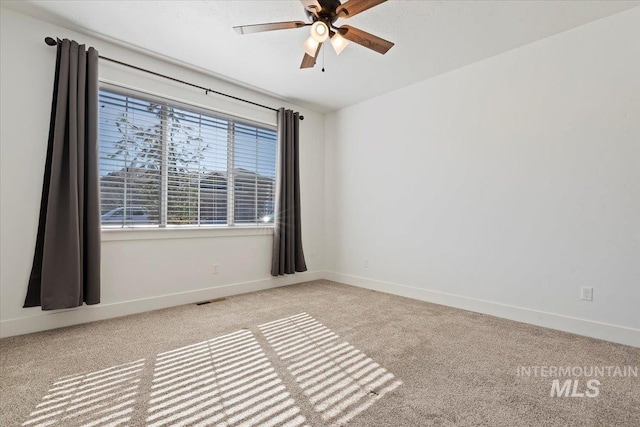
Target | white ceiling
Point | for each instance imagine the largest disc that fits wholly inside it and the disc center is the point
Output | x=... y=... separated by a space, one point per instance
x=432 y=37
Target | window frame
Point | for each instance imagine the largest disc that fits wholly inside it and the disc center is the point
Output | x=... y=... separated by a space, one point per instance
x=162 y=231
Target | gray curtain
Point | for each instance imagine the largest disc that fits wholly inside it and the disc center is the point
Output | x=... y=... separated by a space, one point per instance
x=288 y=256
x=66 y=263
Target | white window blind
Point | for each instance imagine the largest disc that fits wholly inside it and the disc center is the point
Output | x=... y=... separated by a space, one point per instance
x=168 y=164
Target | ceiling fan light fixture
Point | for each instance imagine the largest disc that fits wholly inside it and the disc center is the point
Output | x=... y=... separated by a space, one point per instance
x=311 y=46
x=339 y=43
x=319 y=31
x=322 y=15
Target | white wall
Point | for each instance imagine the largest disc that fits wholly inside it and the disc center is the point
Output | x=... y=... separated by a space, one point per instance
x=137 y=273
x=501 y=187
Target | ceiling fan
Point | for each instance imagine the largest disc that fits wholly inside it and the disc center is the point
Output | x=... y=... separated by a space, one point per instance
x=323 y=14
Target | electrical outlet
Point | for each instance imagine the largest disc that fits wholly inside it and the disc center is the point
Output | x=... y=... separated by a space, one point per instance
x=366 y=263
x=586 y=294
x=215 y=268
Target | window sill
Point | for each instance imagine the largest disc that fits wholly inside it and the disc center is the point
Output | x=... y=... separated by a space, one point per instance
x=155 y=233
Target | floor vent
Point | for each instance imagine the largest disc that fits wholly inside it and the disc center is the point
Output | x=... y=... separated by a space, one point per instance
x=210 y=301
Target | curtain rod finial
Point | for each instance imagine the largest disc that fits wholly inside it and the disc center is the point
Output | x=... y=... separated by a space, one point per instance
x=301 y=117
x=50 y=41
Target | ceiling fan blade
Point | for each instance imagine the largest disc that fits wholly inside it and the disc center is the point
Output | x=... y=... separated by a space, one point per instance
x=258 y=28
x=365 y=39
x=309 y=61
x=353 y=7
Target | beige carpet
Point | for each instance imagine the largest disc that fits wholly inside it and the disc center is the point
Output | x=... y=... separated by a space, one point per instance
x=314 y=354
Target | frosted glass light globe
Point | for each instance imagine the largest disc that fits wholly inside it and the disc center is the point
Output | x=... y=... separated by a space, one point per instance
x=319 y=31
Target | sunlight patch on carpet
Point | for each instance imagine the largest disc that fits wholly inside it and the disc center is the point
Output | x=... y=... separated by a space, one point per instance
x=225 y=381
x=100 y=398
x=339 y=380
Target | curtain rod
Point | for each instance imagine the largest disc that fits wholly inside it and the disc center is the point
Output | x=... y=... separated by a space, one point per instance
x=52 y=42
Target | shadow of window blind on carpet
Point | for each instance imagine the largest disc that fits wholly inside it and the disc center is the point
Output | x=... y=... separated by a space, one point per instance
x=339 y=380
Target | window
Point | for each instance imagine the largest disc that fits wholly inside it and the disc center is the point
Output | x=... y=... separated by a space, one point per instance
x=164 y=164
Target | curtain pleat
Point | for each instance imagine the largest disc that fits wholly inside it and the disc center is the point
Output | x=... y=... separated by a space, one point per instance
x=66 y=263
x=288 y=255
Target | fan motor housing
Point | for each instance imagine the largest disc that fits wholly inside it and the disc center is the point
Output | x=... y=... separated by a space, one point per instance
x=327 y=12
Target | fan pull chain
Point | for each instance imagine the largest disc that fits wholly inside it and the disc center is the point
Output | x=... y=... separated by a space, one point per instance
x=324 y=47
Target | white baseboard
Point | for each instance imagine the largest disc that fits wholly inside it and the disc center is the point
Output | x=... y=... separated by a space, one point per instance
x=57 y=319
x=589 y=328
